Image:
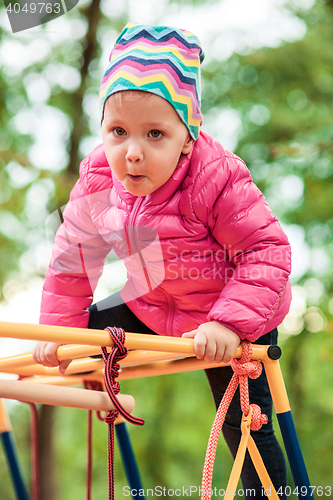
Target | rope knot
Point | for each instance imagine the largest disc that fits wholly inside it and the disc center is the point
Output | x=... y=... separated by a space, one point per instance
x=258 y=418
x=110 y=417
x=112 y=386
x=118 y=337
x=250 y=369
x=245 y=366
x=111 y=372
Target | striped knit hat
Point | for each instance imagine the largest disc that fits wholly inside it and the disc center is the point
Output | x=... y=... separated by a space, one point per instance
x=161 y=60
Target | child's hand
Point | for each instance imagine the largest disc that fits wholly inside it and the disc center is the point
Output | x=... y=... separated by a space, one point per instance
x=45 y=353
x=214 y=342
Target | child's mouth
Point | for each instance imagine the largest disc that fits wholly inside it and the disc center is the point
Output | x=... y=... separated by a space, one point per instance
x=136 y=178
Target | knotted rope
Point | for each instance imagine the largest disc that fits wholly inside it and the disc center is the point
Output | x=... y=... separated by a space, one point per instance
x=243 y=368
x=111 y=372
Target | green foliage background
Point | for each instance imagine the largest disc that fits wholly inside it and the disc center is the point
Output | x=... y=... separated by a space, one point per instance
x=283 y=99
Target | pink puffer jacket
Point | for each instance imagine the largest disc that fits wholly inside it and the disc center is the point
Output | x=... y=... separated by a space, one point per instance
x=204 y=246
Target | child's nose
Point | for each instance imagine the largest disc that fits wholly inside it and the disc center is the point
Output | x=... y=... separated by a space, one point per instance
x=134 y=153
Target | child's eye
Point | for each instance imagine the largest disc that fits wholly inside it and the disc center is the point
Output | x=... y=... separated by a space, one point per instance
x=155 y=134
x=119 y=131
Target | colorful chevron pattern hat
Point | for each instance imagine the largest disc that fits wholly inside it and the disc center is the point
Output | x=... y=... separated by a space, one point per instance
x=161 y=60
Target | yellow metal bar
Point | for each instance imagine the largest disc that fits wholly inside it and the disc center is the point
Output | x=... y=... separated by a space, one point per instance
x=77 y=351
x=63 y=380
x=259 y=465
x=50 y=333
x=166 y=367
x=240 y=456
x=5 y=425
x=276 y=385
x=63 y=352
x=102 y=338
x=134 y=356
x=80 y=365
x=54 y=380
x=77 y=366
x=129 y=369
x=139 y=357
x=127 y=372
x=15 y=361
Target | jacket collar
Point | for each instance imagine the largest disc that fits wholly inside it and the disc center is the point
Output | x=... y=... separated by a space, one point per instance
x=164 y=192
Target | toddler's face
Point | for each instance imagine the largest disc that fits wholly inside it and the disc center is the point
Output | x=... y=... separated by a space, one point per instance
x=144 y=139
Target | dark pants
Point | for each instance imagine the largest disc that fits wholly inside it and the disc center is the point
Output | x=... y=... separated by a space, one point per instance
x=116 y=313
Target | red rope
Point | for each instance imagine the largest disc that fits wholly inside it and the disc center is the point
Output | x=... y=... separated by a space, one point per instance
x=111 y=372
x=243 y=368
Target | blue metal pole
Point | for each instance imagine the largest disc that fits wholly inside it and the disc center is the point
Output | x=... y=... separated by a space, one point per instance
x=11 y=455
x=286 y=422
x=129 y=460
x=295 y=456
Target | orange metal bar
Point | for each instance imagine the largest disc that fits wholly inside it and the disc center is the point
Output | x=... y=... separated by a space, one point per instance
x=15 y=361
x=77 y=366
x=23 y=364
x=64 y=380
x=50 y=333
x=5 y=425
x=231 y=488
x=102 y=338
x=276 y=386
x=166 y=367
x=129 y=369
x=73 y=351
x=266 y=482
x=55 y=380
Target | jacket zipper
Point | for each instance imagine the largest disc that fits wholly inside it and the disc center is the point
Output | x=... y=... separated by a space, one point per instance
x=132 y=237
x=170 y=313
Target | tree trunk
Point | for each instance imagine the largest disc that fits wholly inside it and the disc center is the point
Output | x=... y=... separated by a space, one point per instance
x=47 y=484
x=80 y=125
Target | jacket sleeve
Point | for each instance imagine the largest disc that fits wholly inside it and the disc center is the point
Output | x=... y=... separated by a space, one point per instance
x=242 y=223
x=77 y=261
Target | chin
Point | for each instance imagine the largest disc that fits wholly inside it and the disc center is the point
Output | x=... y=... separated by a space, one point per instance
x=138 y=191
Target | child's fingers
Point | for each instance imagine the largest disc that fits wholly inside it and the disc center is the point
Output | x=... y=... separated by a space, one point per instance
x=38 y=353
x=63 y=365
x=220 y=354
x=211 y=349
x=204 y=347
x=200 y=341
x=190 y=335
x=35 y=353
x=230 y=351
x=45 y=353
x=50 y=354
